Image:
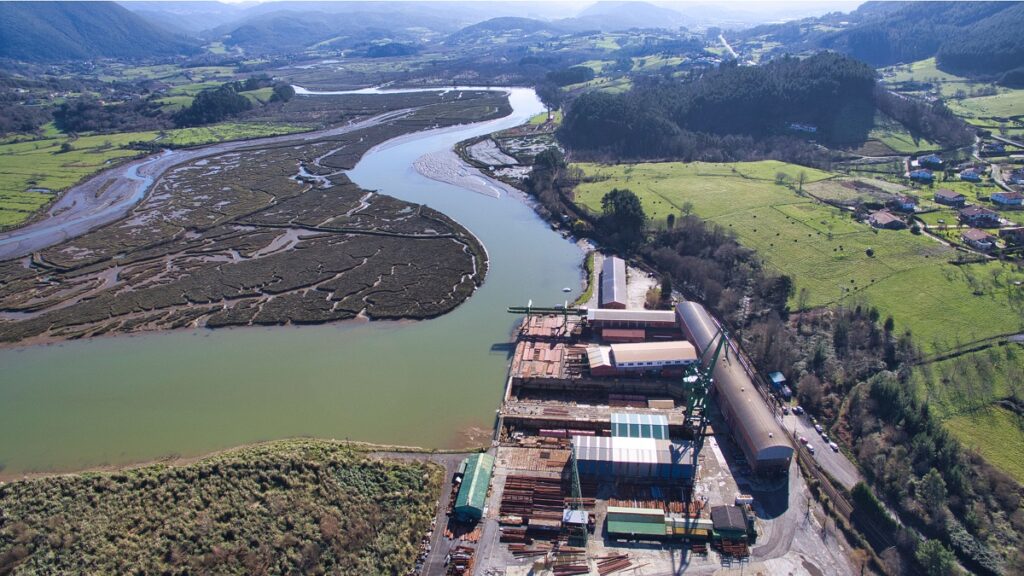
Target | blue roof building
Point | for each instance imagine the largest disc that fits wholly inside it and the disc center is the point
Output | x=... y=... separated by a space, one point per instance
x=922 y=176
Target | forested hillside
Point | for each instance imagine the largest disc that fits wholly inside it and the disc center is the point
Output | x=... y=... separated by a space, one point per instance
x=741 y=112
x=968 y=37
x=56 y=31
x=995 y=44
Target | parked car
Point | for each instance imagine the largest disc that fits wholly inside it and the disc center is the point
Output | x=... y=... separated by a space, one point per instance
x=798 y=410
x=803 y=440
x=785 y=409
x=825 y=438
x=810 y=448
x=833 y=446
x=818 y=428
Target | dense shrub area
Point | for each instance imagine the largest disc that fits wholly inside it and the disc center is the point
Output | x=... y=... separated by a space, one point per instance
x=279 y=508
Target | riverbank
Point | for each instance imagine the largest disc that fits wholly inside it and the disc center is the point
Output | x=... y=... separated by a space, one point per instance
x=116 y=400
x=275 y=249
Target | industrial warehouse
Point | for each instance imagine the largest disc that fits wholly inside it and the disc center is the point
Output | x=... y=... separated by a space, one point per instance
x=602 y=440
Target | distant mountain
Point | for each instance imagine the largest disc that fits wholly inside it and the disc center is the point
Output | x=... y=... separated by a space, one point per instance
x=615 y=15
x=290 y=31
x=522 y=27
x=55 y=31
x=188 y=17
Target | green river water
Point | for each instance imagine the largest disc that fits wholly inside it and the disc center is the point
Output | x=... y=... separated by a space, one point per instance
x=128 y=399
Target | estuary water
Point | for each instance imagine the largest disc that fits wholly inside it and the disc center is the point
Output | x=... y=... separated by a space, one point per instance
x=435 y=383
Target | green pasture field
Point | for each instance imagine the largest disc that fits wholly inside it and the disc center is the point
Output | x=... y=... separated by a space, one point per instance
x=193 y=88
x=823 y=249
x=997 y=434
x=923 y=71
x=225 y=131
x=16 y=207
x=1007 y=104
x=897 y=138
x=175 y=103
x=259 y=96
x=543 y=117
x=962 y=391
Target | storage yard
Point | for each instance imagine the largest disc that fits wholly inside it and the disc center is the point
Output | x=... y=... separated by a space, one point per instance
x=633 y=441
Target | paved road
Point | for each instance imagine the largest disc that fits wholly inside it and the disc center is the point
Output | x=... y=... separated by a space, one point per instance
x=835 y=463
x=109 y=195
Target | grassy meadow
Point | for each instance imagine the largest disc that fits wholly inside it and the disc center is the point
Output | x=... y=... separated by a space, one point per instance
x=824 y=250
x=997 y=434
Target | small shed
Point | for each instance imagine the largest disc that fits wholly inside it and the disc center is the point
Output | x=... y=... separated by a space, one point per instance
x=729 y=521
x=469 y=504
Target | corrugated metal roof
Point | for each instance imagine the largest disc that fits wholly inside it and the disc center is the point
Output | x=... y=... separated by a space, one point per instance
x=638 y=528
x=473 y=491
x=633 y=511
x=611 y=315
x=756 y=430
x=599 y=356
x=631 y=450
x=672 y=351
x=613 y=281
x=638 y=425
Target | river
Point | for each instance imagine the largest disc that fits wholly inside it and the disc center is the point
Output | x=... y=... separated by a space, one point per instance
x=118 y=400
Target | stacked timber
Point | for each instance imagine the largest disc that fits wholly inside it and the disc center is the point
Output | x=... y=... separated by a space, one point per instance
x=570 y=561
x=538 y=501
x=513 y=534
x=734 y=548
x=460 y=561
x=612 y=563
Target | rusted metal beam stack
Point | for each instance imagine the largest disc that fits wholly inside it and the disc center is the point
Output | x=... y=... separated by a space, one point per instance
x=532 y=498
x=612 y=563
x=461 y=561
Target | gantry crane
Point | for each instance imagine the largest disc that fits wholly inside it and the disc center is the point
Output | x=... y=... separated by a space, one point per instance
x=697 y=380
x=577 y=532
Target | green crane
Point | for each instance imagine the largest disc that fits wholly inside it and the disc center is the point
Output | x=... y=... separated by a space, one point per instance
x=577 y=532
x=697 y=380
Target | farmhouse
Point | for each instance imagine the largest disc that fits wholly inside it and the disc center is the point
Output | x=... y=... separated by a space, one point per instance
x=970 y=175
x=978 y=239
x=979 y=217
x=1013 y=235
x=903 y=203
x=922 y=176
x=993 y=149
x=1008 y=198
x=949 y=198
x=930 y=161
x=887 y=220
